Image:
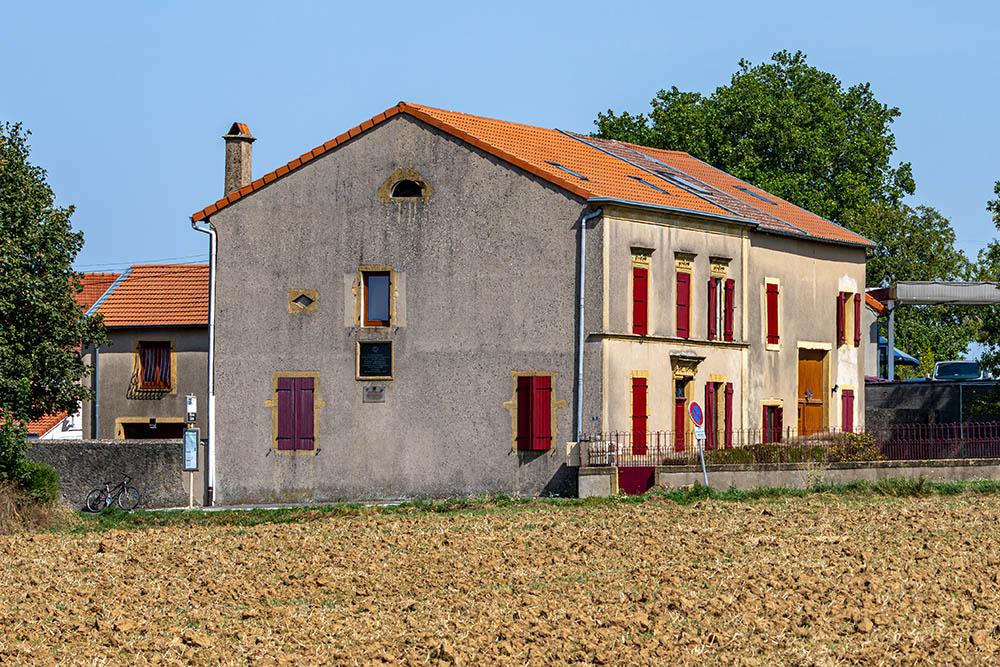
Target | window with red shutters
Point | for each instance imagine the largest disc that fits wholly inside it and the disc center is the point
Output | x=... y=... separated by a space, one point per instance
x=296 y=425
x=729 y=415
x=771 y=313
x=683 y=304
x=534 y=413
x=730 y=296
x=639 y=415
x=857 y=319
x=841 y=318
x=640 y=300
x=847 y=410
x=713 y=314
x=771 y=424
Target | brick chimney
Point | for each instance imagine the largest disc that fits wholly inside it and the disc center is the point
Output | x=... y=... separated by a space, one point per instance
x=239 y=150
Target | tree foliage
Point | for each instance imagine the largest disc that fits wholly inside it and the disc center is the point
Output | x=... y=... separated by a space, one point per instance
x=988 y=269
x=796 y=131
x=40 y=323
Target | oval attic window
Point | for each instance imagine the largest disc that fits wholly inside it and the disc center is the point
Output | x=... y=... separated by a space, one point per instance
x=407 y=188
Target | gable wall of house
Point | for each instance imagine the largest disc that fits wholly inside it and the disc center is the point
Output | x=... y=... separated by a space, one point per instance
x=483 y=276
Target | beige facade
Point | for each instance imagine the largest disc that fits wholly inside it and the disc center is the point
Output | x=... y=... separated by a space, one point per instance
x=809 y=274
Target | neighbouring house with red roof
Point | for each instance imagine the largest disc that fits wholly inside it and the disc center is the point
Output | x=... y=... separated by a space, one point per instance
x=437 y=303
x=157 y=318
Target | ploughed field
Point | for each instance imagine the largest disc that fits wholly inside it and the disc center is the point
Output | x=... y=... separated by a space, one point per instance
x=819 y=580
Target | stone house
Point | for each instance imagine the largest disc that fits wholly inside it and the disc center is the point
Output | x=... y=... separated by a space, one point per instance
x=435 y=303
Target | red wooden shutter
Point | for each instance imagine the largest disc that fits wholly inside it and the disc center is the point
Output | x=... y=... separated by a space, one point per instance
x=729 y=415
x=680 y=421
x=639 y=415
x=771 y=306
x=683 y=305
x=857 y=319
x=304 y=436
x=712 y=315
x=709 y=415
x=286 y=414
x=730 y=294
x=765 y=427
x=847 y=408
x=779 y=425
x=639 y=300
x=841 y=334
x=541 y=415
x=523 y=437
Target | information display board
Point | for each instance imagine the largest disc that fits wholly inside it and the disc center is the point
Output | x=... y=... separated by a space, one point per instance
x=191 y=449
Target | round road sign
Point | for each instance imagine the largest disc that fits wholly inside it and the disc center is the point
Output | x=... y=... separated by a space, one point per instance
x=694 y=410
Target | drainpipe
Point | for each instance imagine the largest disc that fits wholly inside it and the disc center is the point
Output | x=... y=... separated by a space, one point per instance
x=212 y=243
x=580 y=335
x=96 y=411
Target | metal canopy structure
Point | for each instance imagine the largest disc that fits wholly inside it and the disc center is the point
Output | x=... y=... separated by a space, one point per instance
x=932 y=293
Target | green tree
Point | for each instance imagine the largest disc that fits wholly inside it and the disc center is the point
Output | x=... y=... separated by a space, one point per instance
x=786 y=127
x=40 y=323
x=988 y=269
x=796 y=131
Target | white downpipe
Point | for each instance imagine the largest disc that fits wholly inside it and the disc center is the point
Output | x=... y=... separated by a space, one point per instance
x=211 y=357
x=580 y=335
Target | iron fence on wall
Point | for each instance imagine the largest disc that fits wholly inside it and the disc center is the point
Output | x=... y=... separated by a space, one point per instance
x=902 y=442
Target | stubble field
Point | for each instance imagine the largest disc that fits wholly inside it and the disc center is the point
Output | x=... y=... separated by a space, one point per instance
x=820 y=580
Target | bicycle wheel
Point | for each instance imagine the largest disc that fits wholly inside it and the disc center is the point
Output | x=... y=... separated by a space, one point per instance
x=128 y=498
x=96 y=500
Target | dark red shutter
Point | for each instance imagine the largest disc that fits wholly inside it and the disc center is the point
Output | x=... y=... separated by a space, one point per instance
x=304 y=436
x=639 y=415
x=680 y=421
x=709 y=415
x=771 y=306
x=541 y=412
x=857 y=319
x=286 y=414
x=729 y=415
x=523 y=437
x=841 y=335
x=847 y=407
x=765 y=427
x=779 y=425
x=712 y=315
x=683 y=305
x=730 y=294
x=639 y=300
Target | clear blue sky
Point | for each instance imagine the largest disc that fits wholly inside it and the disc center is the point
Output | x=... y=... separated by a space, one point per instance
x=127 y=101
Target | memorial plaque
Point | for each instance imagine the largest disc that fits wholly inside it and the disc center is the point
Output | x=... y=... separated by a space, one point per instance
x=374 y=393
x=375 y=359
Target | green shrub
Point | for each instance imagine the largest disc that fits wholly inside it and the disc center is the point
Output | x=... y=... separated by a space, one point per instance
x=39 y=483
x=854 y=447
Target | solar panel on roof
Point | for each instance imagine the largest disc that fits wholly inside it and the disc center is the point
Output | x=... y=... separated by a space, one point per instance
x=645 y=182
x=567 y=170
x=754 y=194
x=683 y=181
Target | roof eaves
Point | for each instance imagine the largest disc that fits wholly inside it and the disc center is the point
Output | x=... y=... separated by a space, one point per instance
x=118 y=281
x=678 y=209
x=815 y=237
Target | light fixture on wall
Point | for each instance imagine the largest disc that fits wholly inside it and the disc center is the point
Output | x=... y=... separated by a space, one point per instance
x=152 y=423
x=835 y=388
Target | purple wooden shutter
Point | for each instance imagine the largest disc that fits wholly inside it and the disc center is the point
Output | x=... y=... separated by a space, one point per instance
x=541 y=412
x=304 y=436
x=709 y=415
x=523 y=437
x=286 y=414
x=639 y=300
x=683 y=305
x=730 y=294
x=841 y=334
x=857 y=319
x=712 y=317
x=771 y=308
x=847 y=407
x=729 y=415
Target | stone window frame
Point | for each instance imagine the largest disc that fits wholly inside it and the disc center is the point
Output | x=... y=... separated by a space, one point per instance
x=358 y=289
x=135 y=385
x=554 y=405
x=273 y=404
x=404 y=174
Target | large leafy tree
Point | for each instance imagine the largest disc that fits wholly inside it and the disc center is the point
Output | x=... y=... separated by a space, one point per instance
x=988 y=269
x=40 y=323
x=796 y=131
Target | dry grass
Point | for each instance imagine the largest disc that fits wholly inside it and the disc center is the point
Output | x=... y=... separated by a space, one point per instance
x=819 y=581
x=18 y=514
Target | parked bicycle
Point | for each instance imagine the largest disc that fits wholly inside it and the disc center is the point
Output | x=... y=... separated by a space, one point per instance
x=124 y=493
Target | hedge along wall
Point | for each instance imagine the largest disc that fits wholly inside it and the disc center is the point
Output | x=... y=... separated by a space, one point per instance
x=155 y=466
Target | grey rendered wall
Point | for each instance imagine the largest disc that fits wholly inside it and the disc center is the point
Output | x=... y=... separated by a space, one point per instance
x=486 y=275
x=156 y=467
x=810 y=274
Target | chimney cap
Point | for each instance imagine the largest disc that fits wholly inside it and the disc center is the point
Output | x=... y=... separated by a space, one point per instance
x=239 y=130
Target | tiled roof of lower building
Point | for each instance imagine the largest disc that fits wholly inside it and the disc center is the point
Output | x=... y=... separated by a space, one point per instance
x=157 y=295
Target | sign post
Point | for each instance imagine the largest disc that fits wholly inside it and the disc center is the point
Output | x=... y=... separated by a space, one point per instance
x=698 y=418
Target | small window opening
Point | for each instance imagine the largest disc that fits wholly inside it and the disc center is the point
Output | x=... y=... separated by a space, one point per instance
x=407 y=189
x=303 y=301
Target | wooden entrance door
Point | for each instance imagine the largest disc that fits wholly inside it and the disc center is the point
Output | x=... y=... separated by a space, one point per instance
x=811 y=395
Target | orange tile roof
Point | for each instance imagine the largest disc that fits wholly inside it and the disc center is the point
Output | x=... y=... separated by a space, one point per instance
x=597 y=171
x=875 y=304
x=93 y=285
x=45 y=424
x=157 y=295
